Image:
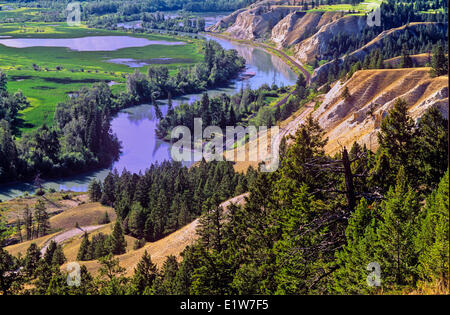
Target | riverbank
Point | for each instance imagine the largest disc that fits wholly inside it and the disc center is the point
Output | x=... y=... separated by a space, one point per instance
x=293 y=64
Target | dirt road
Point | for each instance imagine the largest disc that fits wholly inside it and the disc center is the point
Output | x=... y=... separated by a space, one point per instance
x=64 y=236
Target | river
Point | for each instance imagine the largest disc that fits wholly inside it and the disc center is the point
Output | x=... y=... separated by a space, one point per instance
x=135 y=126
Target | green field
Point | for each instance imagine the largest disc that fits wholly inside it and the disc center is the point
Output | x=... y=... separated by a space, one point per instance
x=34 y=70
x=363 y=7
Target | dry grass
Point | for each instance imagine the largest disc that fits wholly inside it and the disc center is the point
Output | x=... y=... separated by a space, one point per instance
x=86 y=214
x=72 y=245
x=53 y=203
x=21 y=248
x=440 y=287
x=172 y=244
x=420 y=60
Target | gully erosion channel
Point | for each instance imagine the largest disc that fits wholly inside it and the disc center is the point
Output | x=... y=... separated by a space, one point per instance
x=135 y=126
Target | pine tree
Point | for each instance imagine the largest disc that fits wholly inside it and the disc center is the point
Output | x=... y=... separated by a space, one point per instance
x=432 y=147
x=42 y=219
x=359 y=251
x=28 y=222
x=346 y=94
x=145 y=274
x=432 y=238
x=136 y=222
x=206 y=114
x=58 y=256
x=406 y=61
x=439 y=61
x=95 y=190
x=51 y=248
x=118 y=243
x=111 y=277
x=105 y=219
x=396 y=137
x=109 y=190
x=8 y=275
x=84 y=251
x=300 y=86
x=395 y=250
x=32 y=258
x=169 y=272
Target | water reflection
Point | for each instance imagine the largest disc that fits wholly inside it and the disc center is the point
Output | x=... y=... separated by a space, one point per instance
x=92 y=43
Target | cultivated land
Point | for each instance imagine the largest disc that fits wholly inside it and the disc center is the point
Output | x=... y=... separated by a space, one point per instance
x=47 y=75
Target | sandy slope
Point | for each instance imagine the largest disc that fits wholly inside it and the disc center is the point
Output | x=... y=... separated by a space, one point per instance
x=172 y=244
x=373 y=93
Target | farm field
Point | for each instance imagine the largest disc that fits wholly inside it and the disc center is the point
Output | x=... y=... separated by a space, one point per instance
x=47 y=75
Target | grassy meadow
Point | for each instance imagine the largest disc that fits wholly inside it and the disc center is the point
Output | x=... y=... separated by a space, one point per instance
x=46 y=75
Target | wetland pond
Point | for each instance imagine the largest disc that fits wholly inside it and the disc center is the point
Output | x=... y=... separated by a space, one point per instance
x=90 y=43
x=135 y=126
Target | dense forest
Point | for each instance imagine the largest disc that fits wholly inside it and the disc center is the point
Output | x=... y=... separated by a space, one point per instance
x=394 y=14
x=142 y=202
x=313 y=226
x=81 y=139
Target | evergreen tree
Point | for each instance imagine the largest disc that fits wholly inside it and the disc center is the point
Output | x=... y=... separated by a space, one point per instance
x=28 y=222
x=32 y=258
x=432 y=238
x=118 y=243
x=109 y=189
x=58 y=256
x=111 y=279
x=169 y=271
x=431 y=148
x=51 y=248
x=84 y=251
x=396 y=137
x=105 y=219
x=9 y=278
x=144 y=276
x=206 y=114
x=359 y=251
x=95 y=190
x=439 y=61
x=42 y=219
x=395 y=250
x=406 y=60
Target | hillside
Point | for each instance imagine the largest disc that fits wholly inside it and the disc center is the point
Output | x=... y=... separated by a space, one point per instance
x=172 y=244
x=375 y=43
x=372 y=94
x=88 y=215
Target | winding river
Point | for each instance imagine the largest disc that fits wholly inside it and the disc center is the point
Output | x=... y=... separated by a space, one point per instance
x=135 y=126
